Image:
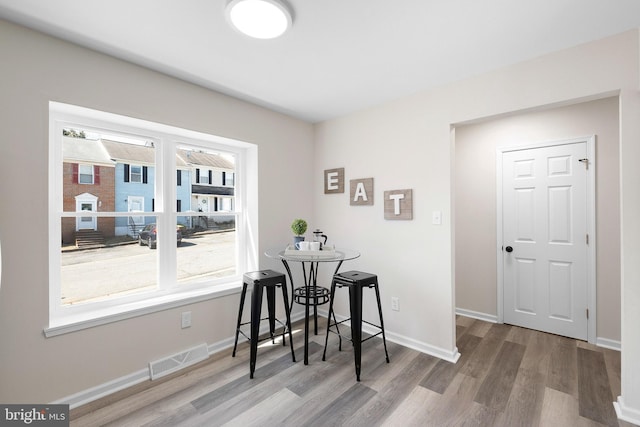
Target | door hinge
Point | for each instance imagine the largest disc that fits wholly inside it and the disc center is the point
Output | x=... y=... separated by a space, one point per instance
x=587 y=238
x=586 y=163
x=587 y=313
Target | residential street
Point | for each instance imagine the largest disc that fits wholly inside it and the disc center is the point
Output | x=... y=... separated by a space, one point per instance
x=96 y=273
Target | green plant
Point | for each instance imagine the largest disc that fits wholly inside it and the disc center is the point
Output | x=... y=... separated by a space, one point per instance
x=299 y=227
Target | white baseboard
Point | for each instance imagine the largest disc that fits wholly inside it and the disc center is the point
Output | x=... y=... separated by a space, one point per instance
x=477 y=315
x=625 y=413
x=102 y=390
x=449 y=356
x=441 y=353
x=600 y=342
x=130 y=380
x=610 y=344
x=110 y=387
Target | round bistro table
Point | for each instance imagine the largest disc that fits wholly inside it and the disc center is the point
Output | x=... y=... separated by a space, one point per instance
x=310 y=294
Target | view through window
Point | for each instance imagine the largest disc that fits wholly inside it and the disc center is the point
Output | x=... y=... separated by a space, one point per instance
x=133 y=225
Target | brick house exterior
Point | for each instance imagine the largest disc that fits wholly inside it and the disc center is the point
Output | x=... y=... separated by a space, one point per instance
x=79 y=157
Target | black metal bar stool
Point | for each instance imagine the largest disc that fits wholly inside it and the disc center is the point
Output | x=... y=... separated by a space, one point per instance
x=270 y=280
x=355 y=281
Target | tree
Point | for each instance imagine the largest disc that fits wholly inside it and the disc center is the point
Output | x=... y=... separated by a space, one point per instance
x=73 y=133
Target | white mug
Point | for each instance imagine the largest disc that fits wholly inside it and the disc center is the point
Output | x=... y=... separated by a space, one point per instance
x=302 y=246
x=314 y=246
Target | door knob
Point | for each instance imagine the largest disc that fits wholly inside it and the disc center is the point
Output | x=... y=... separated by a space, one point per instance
x=508 y=249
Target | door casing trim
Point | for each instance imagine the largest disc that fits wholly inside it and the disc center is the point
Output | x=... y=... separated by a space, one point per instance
x=591 y=226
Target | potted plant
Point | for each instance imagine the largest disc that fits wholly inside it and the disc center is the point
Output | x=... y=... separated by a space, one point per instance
x=299 y=227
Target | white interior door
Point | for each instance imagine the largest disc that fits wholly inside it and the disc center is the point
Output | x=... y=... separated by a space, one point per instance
x=545 y=243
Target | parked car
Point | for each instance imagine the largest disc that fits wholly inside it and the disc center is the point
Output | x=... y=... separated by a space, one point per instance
x=148 y=236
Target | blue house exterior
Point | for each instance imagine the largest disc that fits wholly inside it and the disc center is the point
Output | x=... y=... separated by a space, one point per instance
x=135 y=189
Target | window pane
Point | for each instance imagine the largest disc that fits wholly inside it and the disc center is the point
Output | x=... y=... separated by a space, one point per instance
x=101 y=256
x=85 y=174
x=205 y=195
x=206 y=253
x=203 y=177
x=98 y=264
x=209 y=246
x=136 y=173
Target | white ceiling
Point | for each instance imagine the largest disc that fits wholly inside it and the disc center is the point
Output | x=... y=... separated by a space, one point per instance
x=341 y=55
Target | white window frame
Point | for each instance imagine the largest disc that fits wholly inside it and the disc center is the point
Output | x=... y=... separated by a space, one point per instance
x=204 y=177
x=137 y=175
x=233 y=179
x=65 y=319
x=86 y=165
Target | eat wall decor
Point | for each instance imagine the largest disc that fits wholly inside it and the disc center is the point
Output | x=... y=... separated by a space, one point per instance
x=398 y=204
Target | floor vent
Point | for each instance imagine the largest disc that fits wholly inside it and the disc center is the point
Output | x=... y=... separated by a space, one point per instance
x=174 y=363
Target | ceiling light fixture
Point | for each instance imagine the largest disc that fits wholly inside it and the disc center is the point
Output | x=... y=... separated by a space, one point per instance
x=261 y=19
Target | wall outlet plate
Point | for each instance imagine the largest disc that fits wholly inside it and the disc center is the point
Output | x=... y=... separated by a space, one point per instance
x=186 y=319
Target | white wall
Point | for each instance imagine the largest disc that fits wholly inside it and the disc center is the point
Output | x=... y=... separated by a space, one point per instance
x=475 y=198
x=37 y=69
x=629 y=402
x=407 y=144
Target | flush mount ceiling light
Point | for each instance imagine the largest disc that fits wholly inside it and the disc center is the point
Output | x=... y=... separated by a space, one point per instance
x=261 y=19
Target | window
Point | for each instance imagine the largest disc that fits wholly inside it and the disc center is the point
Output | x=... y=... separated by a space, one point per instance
x=125 y=276
x=226 y=204
x=203 y=176
x=228 y=179
x=132 y=173
x=85 y=174
x=135 y=173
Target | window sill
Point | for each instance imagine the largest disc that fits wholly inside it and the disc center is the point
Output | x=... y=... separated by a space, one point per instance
x=76 y=322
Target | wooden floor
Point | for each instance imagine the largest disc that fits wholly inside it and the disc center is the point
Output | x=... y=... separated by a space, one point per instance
x=506 y=376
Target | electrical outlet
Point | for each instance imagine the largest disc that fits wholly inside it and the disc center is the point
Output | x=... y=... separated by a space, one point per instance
x=186 y=319
x=395 y=304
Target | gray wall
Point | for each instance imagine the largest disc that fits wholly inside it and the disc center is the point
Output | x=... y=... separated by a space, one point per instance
x=475 y=192
x=37 y=69
x=411 y=143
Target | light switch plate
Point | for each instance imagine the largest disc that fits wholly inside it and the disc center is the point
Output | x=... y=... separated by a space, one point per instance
x=436 y=217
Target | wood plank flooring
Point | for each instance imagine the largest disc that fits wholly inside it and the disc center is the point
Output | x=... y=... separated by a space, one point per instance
x=506 y=376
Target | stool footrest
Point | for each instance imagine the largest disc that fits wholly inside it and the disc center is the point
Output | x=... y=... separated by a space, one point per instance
x=348 y=337
x=282 y=325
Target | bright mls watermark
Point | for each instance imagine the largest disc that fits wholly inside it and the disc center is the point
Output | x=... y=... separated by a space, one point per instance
x=34 y=415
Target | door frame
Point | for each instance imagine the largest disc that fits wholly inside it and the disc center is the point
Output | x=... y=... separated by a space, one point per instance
x=591 y=226
x=93 y=200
